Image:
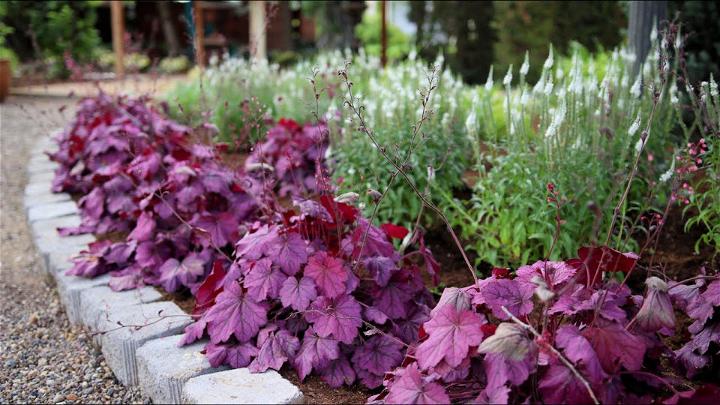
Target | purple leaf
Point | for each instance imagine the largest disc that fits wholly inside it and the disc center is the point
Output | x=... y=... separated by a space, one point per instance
x=235 y=313
x=579 y=351
x=410 y=388
x=216 y=230
x=234 y=355
x=254 y=245
x=339 y=318
x=329 y=274
x=264 y=280
x=378 y=355
x=289 y=252
x=380 y=269
x=556 y=272
x=559 y=385
x=315 y=350
x=193 y=332
x=276 y=347
x=451 y=334
x=338 y=372
x=515 y=296
x=615 y=346
x=174 y=274
x=144 y=229
x=297 y=295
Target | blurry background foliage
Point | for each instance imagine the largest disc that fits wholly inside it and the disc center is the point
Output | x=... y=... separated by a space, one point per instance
x=52 y=30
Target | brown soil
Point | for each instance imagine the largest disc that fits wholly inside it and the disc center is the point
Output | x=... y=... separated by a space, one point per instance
x=318 y=392
x=675 y=252
x=453 y=270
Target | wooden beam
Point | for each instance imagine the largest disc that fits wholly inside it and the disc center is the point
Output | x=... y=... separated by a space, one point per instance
x=118 y=36
x=383 y=33
x=199 y=34
x=258 y=43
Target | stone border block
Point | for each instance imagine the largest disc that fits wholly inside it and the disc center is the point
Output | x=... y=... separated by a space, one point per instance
x=99 y=303
x=240 y=386
x=163 y=367
x=70 y=288
x=149 y=321
x=52 y=210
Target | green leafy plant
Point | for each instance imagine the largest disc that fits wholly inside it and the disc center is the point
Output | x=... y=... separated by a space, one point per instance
x=577 y=129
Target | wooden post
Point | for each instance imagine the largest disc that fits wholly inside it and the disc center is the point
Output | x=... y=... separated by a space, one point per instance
x=642 y=16
x=118 y=36
x=258 y=43
x=199 y=34
x=383 y=33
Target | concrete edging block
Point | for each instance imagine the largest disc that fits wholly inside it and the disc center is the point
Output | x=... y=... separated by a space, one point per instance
x=163 y=367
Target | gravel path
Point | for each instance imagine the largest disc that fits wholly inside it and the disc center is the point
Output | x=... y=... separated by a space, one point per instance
x=42 y=357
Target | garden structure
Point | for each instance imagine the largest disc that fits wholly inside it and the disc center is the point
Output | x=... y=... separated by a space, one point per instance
x=350 y=228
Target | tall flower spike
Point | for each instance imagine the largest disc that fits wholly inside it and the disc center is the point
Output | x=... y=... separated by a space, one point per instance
x=489 y=82
x=657 y=311
x=508 y=77
x=549 y=61
x=526 y=65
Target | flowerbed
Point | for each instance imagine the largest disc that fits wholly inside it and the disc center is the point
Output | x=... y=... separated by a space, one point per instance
x=315 y=286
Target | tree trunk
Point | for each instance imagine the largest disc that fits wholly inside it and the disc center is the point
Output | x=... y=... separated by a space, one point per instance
x=643 y=15
x=168 y=28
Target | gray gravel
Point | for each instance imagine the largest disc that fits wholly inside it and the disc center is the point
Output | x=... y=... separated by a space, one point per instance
x=42 y=357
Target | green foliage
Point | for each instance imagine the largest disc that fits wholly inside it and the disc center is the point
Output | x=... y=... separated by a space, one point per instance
x=57 y=28
x=574 y=128
x=368 y=31
x=238 y=95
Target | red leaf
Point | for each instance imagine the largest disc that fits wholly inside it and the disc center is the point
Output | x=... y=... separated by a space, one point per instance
x=500 y=272
x=394 y=231
x=598 y=259
x=210 y=288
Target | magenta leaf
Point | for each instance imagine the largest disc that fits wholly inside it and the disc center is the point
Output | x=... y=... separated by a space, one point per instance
x=276 y=347
x=315 y=350
x=235 y=313
x=378 y=354
x=579 y=351
x=289 y=252
x=329 y=274
x=560 y=385
x=515 y=296
x=410 y=388
x=234 y=355
x=144 y=229
x=339 y=318
x=264 y=280
x=174 y=274
x=615 y=346
x=451 y=334
x=338 y=372
x=297 y=294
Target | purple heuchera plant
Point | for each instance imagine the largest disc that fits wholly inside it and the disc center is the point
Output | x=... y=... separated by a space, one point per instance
x=295 y=295
x=294 y=153
x=558 y=332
